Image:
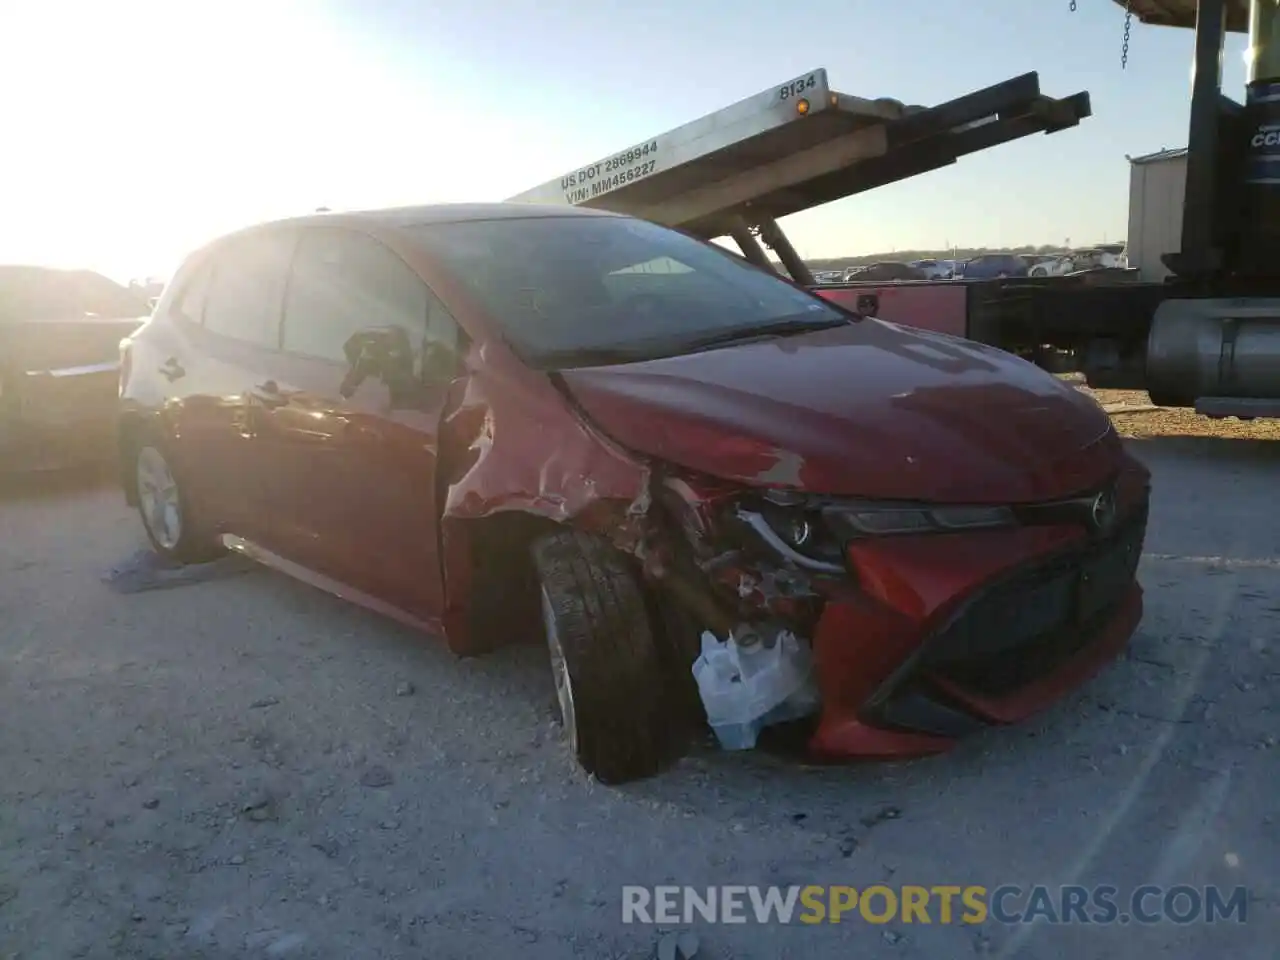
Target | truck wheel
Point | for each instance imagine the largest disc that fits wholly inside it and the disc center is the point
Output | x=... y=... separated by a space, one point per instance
x=167 y=517
x=1171 y=399
x=605 y=659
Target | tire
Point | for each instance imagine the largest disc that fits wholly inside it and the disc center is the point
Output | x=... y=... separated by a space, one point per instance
x=171 y=526
x=679 y=645
x=606 y=660
x=1172 y=399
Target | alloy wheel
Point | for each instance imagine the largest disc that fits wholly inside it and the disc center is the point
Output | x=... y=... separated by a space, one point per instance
x=158 y=498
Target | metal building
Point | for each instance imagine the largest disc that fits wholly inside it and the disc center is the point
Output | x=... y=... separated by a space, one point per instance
x=1156 y=184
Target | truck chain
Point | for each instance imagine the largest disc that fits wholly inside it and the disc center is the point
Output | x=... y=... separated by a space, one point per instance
x=1128 y=24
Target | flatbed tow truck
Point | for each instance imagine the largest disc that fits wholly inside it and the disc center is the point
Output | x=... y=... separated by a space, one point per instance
x=800 y=144
x=1208 y=338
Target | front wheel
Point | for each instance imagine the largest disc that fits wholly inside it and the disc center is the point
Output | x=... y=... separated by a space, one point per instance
x=166 y=512
x=608 y=667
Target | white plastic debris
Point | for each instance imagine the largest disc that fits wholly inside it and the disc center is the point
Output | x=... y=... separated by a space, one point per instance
x=747 y=684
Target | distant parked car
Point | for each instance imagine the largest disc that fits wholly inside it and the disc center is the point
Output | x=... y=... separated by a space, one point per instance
x=1107 y=257
x=1099 y=258
x=935 y=269
x=60 y=333
x=990 y=266
x=1113 y=255
x=885 y=270
x=1051 y=266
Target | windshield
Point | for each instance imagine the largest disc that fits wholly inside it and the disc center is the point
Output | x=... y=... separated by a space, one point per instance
x=576 y=291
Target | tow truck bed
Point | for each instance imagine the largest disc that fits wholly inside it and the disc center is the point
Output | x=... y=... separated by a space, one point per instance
x=798 y=145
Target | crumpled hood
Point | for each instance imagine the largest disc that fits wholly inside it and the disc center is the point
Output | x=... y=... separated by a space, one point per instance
x=871 y=409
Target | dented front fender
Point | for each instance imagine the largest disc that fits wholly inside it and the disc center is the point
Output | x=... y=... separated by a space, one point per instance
x=516 y=444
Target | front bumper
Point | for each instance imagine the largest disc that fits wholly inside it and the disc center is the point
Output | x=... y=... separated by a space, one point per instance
x=949 y=635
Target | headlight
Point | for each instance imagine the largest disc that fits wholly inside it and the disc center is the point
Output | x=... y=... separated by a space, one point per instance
x=814 y=535
x=800 y=534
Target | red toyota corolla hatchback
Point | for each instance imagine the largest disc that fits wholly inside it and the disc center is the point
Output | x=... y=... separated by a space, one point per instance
x=490 y=421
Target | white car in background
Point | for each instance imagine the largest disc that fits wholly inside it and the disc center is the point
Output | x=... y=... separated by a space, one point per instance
x=1051 y=266
x=1107 y=256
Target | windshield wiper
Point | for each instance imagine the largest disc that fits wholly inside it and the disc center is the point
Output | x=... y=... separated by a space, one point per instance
x=640 y=351
x=764 y=331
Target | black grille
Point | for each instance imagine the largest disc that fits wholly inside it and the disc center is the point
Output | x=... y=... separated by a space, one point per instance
x=1021 y=627
x=1026 y=626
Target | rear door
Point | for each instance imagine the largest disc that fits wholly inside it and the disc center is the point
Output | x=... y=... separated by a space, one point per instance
x=232 y=312
x=352 y=489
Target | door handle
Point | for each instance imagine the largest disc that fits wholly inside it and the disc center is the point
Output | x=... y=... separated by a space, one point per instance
x=269 y=395
x=869 y=304
x=171 y=369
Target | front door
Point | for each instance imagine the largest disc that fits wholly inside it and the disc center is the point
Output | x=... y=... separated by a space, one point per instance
x=352 y=483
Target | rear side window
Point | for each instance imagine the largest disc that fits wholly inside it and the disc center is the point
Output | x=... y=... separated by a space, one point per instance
x=344 y=282
x=246 y=290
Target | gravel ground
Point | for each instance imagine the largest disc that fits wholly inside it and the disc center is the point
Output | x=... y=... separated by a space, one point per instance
x=249 y=768
x=1135 y=417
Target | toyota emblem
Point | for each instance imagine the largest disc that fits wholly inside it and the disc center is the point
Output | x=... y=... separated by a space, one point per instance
x=1102 y=513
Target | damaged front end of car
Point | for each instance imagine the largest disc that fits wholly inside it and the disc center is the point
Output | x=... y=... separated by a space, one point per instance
x=926 y=622
x=750 y=566
x=916 y=623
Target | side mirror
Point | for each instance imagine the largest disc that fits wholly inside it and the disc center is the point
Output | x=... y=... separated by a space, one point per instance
x=382 y=352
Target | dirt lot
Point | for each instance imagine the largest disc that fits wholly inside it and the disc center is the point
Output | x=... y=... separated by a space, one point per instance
x=1135 y=417
x=248 y=768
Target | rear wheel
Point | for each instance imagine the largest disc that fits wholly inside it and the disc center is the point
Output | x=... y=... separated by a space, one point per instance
x=166 y=513
x=605 y=659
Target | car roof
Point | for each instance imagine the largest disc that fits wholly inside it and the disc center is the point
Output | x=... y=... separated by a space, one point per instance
x=446 y=213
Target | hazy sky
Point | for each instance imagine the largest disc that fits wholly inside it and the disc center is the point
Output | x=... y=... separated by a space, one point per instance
x=134 y=130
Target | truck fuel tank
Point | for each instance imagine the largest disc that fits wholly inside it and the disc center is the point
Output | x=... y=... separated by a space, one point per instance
x=1215 y=349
